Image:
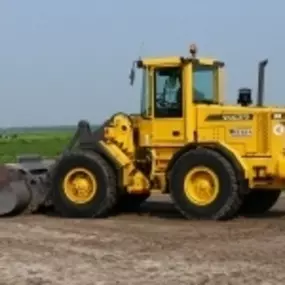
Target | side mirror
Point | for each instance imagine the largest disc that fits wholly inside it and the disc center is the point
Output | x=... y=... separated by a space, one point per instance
x=132 y=75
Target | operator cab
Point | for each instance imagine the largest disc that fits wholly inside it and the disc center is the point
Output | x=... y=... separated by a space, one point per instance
x=169 y=83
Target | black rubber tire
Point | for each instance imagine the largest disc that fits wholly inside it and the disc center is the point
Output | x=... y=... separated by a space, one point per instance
x=106 y=197
x=259 y=201
x=131 y=202
x=228 y=201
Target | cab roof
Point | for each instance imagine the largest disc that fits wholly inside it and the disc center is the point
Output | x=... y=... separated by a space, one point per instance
x=176 y=60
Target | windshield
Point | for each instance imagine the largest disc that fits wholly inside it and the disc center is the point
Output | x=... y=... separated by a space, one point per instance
x=204 y=84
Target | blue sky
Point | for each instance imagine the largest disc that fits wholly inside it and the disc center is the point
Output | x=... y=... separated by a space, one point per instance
x=65 y=60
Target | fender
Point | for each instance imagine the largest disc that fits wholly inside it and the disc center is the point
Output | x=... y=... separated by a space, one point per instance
x=95 y=141
x=230 y=154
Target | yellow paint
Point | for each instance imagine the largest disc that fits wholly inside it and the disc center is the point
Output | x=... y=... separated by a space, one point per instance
x=80 y=185
x=173 y=61
x=119 y=144
x=281 y=167
x=220 y=85
x=162 y=61
x=126 y=136
x=207 y=61
x=261 y=148
x=201 y=186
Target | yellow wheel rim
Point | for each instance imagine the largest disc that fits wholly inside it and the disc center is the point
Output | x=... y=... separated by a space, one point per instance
x=80 y=185
x=201 y=186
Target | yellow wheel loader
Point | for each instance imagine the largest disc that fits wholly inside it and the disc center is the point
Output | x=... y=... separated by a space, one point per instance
x=215 y=160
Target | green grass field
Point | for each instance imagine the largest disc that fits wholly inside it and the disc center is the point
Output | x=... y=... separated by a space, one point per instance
x=46 y=144
x=49 y=142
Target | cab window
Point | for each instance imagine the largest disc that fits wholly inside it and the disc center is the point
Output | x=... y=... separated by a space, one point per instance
x=168 y=92
x=204 y=83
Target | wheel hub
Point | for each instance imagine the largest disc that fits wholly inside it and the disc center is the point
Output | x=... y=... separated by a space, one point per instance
x=201 y=186
x=80 y=185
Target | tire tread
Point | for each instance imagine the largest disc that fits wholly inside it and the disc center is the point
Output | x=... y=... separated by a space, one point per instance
x=230 y=209
x=109 y=202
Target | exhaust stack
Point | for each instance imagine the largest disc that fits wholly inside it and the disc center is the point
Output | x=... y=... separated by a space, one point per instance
x=260 y=90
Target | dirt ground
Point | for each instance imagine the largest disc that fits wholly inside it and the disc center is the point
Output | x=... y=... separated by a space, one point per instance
x=156 y=246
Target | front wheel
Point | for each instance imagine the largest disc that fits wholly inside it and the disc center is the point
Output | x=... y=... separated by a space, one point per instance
x=83 y=185
x=203 y=185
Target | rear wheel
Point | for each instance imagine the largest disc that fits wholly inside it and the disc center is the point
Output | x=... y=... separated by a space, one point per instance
x=259 y=201
x=203 y=185
x=83 y=185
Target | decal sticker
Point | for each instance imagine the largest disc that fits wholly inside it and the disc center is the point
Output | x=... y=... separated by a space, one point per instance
x=278 y=116
x=230 y=117
x=245 y=132
x=279 y=129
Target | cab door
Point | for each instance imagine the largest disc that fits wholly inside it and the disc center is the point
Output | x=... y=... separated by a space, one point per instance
x=166 y=108
x=168 y=124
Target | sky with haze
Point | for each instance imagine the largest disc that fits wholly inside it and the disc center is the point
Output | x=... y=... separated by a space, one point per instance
x=66 y=60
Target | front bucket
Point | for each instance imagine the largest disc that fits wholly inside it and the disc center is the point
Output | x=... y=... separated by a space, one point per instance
x=15 y=196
